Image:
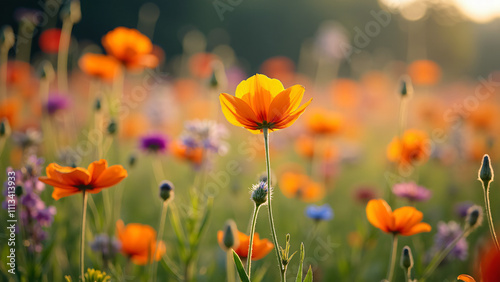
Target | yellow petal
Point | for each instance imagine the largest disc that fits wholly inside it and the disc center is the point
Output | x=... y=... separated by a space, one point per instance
x=237 y=112
x=378 y=213
x=273 y=86
x=285 y=102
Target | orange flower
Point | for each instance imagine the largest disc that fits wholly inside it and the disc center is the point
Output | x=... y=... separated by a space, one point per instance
x=68 y=181
x=9 y=109
x=100 y=66
x=466 y=278
x=489 y=262
x=305 y=146
x=194 y=155
x=139 y=242
x=404 y=221
x=261 y=102
x=345 y=93
x=301 y=186
x=321 y=121
x=261 y=247
x=131 y=47
x=413 y=147
x=424 y=72
x=49 y=40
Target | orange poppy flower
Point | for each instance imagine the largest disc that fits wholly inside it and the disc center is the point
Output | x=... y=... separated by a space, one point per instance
x=413 y=146
x=404 y=221
x=194 y=155
x=261 y=102
x=9 y=109
x=296 y=185
x=345 y=93
x=100 y=66
x=68 y=181
x=130 y=47
x=466 y=278
x=260 y=249
x=321 y=121
x=305 y=146
x=424 y=72
x=139 y=242
x=489 y=262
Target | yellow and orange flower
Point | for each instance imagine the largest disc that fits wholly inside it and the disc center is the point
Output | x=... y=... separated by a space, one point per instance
x=101 y=66
x=321 y=121
x=296 y=185
x=68 y=181
x=130 y=47
x=412 y=147
x=404 y=221
x=261 y=247
x=261 y=102
x=138 y=241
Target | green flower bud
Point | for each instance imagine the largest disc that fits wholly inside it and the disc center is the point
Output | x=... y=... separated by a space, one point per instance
x=230 y=236
x=406 y=259
x=112 y=127
x=213 y=80
x=4 y=128
x=259 y=193
x=166 y=190
x=46 y=71
x=485 y=173
x=131 y=160
x=97 y=105
x=474 y=217
x=406 y=88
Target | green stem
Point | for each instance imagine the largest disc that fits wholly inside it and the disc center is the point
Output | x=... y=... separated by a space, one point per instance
x=62 y=57
x=265 y=131
x=488 y=214
x=252 y=231
x=82 y=245
x=154 y=265
x=4 y=57
x=230 y=266
x=390 y=272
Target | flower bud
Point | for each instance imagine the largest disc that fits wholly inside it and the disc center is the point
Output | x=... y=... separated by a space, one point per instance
x=4 y=128
x=485 y=173
x=7 y=38
x=259 y=193
x=406 y=88
x=97 y=105
x=474 y=217
x=112 y=127
x=406 y=259
x=72 y=11
x=230 y=235
x=19 y=190
x=46 y=71
x=131 y=160
x=213 y=80
x=166 y=190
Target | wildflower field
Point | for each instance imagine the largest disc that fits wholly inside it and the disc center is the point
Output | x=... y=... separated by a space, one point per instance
x=248 y=141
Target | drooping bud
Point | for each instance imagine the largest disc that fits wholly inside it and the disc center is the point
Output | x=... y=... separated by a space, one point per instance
x=71 y=11
x=406 y=259
x=112 y=127
x=166 y=190
x=7 y=38
x=485 y=173
x=259 y=193
x=474 y=217
x=230 y=236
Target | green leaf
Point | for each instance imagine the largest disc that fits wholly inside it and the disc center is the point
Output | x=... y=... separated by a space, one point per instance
x=239 y=266
x=309 y=275
x=302 y=255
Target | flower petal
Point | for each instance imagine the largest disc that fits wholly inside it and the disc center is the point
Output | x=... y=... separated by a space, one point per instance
x=110 y=176
x=237 y=112
x=406 y=217
x=59 y=192
x=290 y=119
x=273 y=86
x=68 y=176
x=418 y=228
x=286 y=101
x=97 y=168
x=379 y=215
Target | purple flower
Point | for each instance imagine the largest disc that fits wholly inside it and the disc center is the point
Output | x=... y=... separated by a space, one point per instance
x=318 y=213
x=154 y=143
x=447 y=232
x=106 y=246
x=206 y=134
x=411 y=191
x=55 y=103
x=461 y=208
x=46 y=216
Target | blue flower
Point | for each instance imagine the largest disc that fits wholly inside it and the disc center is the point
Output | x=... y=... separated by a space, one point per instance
x=318 y=213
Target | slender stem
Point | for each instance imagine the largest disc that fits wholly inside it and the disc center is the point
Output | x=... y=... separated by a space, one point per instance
x=4 y=57
x=154 y=265
x=269 y=207
x=390 y=272
x=488 y=214
x=252 y=231
x=82 y=245
x=62 y=57
x=230 y=266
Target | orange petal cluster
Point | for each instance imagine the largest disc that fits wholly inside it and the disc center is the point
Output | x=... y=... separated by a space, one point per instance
x=130 y=47
x=68 y=181
x=404 y=221
x=261 y=102
x=296 y=185
x=100 y=66
x=413 y=146
x=261 y=247
x=322 y=122
x=138 y=241
x=193 y=155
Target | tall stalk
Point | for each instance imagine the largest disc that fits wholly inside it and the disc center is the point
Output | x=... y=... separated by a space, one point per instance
x=252 y=231
x=82 y=245
x=265 y=131
x=154 y=265
x=392 y=263
x=488 y=214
